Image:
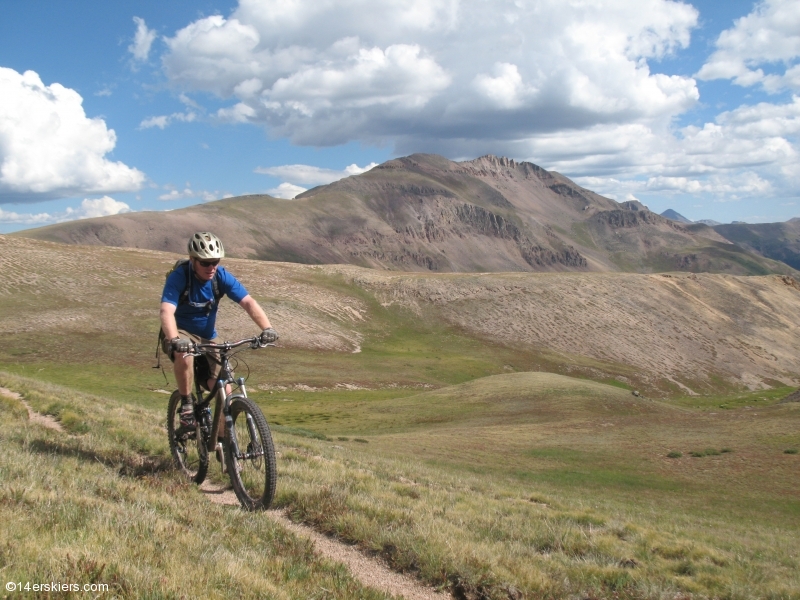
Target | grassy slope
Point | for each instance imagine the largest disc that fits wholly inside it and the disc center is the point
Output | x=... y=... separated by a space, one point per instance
x=100 y=504
x=538 y=485
x=557 y=487
x=451 y=465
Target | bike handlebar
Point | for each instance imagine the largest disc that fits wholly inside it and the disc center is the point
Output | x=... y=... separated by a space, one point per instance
x=255 y=342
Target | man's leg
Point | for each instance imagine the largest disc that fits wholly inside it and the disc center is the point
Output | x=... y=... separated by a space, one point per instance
x=183 y=368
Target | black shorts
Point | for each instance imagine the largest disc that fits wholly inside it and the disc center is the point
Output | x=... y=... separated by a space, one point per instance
x=205 y=366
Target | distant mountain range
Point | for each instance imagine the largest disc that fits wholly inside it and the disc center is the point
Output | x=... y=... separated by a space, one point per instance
x=778 y=241
x=676 y=216
x=426 y=213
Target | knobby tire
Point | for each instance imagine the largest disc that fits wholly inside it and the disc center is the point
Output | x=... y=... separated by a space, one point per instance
x=188 y=449
x=254 y=475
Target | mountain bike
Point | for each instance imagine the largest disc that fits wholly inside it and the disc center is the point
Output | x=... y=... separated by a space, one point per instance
x=246 y=452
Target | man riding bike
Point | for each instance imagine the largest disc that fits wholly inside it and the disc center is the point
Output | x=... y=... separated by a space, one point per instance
x=189 y=305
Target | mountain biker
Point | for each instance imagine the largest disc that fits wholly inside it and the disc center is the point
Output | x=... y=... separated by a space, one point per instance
x=189 y=305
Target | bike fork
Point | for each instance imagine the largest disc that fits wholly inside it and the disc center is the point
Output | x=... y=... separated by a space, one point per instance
x=218 y=405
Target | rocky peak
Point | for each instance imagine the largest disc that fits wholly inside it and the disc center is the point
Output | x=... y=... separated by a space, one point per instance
x=633 y=205
x=491 y=161
x=491 y=165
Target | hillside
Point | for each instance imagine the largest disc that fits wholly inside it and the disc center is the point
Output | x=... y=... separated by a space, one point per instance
x=666 y=332
x=476 y=431
x=426 y=213
x=777 y=241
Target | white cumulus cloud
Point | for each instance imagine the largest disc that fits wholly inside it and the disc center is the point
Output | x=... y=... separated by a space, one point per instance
x=767 y=37
x=89 y=208
x=142 y=40
x=749 y=152
x=49 y=148
x=310 y=175
x=287 y=191
x=506 y=89
x=163 y=121
x=579 y=87
x=323 y=72
x=101 y=207
x=188 y=192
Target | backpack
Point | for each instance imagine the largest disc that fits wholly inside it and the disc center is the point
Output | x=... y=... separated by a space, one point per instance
x=185 y=263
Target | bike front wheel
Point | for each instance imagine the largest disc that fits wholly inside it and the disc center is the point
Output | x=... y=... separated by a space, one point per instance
x=186 y=445
x=253 y=470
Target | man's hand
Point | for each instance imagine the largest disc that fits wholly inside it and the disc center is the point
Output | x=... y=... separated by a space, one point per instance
x=269 y=335
x=179 y=345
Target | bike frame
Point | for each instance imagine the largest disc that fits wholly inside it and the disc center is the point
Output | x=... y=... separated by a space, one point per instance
x=223 y=398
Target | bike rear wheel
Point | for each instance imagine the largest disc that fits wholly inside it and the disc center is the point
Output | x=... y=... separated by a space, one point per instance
x=253 y=472
x=187 y=446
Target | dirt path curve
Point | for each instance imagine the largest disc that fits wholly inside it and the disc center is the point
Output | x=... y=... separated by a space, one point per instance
x=369 y=571
x=33 y=416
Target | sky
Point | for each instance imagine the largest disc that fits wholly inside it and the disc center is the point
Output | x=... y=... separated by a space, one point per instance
x=111 y=107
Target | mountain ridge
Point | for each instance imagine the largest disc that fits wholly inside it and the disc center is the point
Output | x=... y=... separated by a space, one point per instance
x=424 y=212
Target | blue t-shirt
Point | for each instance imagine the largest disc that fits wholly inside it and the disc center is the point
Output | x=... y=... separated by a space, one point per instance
x=195 y=316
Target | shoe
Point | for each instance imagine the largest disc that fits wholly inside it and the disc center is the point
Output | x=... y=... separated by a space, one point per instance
x=187 y=416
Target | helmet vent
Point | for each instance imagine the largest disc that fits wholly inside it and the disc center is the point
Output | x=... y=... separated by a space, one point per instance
x=205 y=245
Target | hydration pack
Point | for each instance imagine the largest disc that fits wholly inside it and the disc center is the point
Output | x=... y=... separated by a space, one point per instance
x=186 y=265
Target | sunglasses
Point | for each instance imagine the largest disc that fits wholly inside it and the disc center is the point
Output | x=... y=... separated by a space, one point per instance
x=208 y=263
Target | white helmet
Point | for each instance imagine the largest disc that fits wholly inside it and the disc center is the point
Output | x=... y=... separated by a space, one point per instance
x=205 y=245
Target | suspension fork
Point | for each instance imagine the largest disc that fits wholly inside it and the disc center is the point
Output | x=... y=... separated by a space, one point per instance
x=219 y=393
x=251 y=426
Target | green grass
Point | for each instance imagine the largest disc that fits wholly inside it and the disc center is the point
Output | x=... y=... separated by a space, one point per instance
x=509 y=481
x=104 y=506
x=480 y=468
x=706 y=452
x=730 y=401
x=549 y=533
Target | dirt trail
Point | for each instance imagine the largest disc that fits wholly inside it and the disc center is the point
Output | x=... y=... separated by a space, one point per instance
x=369 y=571
x=33 y=416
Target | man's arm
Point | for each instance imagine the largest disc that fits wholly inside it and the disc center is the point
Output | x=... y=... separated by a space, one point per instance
x=168 y=324
x=253 y=309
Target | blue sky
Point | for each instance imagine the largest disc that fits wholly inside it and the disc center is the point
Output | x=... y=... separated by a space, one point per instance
x=109 y=107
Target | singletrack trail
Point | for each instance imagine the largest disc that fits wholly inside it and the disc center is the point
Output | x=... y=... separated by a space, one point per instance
x=33 y=416
x=370 y=572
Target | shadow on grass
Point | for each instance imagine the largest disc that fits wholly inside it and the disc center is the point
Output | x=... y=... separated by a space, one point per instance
x=127 y=465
